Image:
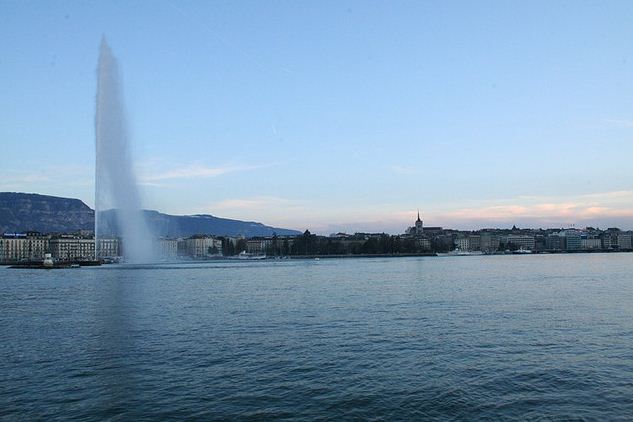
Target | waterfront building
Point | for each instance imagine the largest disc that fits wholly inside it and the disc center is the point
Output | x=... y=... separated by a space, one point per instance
x=230 y=245
x=488 y=242
x=202 y=246
x=590 y=243
x=468 y=243
x=614 y=239
x=181 y=247
x=572 y=240
x=540 y=242
x=23 y=246
x=168 y=248
x=15 y=248
x=555 y=241
x=108 y=247
x=282 y=245
x=462 y=243
x=606 y=241
x=444 y=242
x=611 y=238
x=258 y=246
x=233 y=241
x=68 y=248
x=474 y=242
x=521 y=241
x=285 y=244
x=624 y=241
x=424 y=243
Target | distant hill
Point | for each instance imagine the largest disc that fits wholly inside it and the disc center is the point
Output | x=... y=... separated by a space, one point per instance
x=20 y=212
x=166 y=225
x=187 y=225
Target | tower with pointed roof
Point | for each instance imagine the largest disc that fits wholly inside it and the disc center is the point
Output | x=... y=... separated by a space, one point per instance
x=418 y=226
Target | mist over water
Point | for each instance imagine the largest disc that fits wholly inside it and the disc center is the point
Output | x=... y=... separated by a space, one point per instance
x=115 y=181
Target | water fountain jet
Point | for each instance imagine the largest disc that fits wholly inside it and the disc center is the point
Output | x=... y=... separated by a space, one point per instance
x=116 y=190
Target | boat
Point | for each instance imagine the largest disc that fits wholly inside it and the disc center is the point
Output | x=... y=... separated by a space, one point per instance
x=459 y=252
x=249 y=256
x=521 y=251
x=48 y=261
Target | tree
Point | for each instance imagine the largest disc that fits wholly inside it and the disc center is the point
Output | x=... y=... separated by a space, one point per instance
x=286 y=247
x=228 y=248
x=241 y=245
x=274 y=246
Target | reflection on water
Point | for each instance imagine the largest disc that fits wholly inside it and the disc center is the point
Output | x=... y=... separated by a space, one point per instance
x=458 y=337
x=114 y=328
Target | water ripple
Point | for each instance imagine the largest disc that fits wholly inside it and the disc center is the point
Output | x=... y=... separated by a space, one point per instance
x=385 y=339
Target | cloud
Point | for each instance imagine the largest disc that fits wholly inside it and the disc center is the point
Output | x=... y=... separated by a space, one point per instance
x=257 y=203
x=594 y=208
x=620 y=122
x=272 y=210
x=601 y=208
x=48 y=177
x=193 y=171
x=564 y=210
x=23 y=179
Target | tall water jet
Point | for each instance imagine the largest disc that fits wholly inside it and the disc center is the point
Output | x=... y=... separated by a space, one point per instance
x=117 y=200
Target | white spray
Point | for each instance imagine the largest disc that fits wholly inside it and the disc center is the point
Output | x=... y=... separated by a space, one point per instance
x=115 y=181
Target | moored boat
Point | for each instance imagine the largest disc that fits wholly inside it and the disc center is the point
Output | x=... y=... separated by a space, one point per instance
x=249 y=256
x=521 y=251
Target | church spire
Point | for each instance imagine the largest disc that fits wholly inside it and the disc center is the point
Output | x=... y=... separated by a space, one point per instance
x=418 y=216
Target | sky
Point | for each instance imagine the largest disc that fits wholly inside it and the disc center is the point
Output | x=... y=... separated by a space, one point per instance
x=333 y=115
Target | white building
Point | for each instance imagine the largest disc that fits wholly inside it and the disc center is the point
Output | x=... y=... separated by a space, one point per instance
x=624 y=240
x=521 y=241
x=68 y=248
x=470 y=243
x=108 y=247
x=202 y=247
x=21 y=247
x=591 y=243
x=462 y=243
x=168 y=248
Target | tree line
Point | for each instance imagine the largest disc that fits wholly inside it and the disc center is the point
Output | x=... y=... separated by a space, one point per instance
x=311 y=244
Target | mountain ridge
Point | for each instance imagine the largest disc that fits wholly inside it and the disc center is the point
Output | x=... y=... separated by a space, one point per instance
x=21 y=212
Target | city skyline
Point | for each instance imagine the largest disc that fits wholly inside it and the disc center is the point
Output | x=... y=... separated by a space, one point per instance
x=334 y=117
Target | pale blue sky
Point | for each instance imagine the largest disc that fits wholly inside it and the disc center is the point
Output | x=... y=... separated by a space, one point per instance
x=334 y=115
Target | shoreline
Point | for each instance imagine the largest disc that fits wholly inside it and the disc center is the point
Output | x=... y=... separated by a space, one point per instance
x=36 y=265
x=442 y=254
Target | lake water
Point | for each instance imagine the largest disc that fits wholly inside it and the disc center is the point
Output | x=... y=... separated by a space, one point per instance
x=499 y=337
